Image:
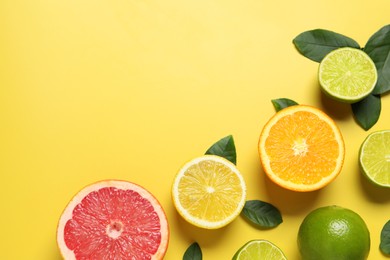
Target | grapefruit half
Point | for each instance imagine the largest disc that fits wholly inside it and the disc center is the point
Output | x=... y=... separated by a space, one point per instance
x=113 y=219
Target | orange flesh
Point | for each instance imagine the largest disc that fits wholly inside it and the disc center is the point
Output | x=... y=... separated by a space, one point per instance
x=302 y=148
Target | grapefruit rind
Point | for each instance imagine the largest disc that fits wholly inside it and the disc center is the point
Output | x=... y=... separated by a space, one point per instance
x=119 y=184
x=265 y=161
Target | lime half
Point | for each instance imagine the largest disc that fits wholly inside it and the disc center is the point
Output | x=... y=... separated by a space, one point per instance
x=374 y=157
x=259 y=250
x=347 y=74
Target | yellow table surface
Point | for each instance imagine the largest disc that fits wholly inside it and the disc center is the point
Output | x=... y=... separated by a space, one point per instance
x=132 y=89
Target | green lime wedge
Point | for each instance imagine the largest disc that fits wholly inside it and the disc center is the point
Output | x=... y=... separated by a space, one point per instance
x=347 y=74
x=259 y=250
x=374 y=157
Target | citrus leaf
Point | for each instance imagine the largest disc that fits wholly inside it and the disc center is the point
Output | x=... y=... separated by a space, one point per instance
x=193 y=252
x=378 y=48
x=224 y=148
x=281 y=103
x=367 y=111
x=315 y=44
x=262 y=214
x=384 y=245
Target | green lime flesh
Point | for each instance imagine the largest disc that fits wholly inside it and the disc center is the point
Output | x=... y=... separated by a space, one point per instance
x=259 y=250
x=347 y=74
x=374 y=157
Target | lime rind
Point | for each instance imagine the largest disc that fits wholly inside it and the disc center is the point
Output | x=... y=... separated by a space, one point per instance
x=333 y=232
x=374 y=157
x=259 y=249
x=347 y=74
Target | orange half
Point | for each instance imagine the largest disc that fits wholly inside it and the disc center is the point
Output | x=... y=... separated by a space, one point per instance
x=301 y=148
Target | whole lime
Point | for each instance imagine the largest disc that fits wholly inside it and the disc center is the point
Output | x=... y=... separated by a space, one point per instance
x=333 y=232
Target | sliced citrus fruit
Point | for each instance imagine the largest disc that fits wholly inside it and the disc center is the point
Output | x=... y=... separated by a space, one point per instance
x=259 y=249
x=301 y=148
x=347 y=74
x=374 y=157
x=209 y=192
x=113 y=220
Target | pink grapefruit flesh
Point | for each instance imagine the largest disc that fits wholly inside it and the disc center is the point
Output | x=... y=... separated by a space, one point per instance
x=113 y=220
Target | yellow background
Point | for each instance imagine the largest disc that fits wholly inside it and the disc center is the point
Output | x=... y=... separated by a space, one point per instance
x=132 y=89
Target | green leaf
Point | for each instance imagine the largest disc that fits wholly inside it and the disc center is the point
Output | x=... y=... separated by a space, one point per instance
x=367 y=111
x=193 y=252
x=262 y=214
x=384 y=245
x=378 y=48
x=281 y=103
x=224 y=148
x=315 y=44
